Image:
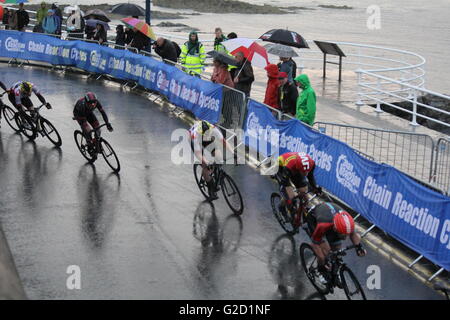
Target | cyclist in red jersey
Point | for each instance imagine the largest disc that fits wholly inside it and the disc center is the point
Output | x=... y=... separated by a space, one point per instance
x=297 y=169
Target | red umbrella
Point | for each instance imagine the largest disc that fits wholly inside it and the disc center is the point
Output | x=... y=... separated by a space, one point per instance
x=254 y=53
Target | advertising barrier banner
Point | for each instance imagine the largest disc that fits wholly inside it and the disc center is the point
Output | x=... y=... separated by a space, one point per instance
x=202 y=98
x=415 y=215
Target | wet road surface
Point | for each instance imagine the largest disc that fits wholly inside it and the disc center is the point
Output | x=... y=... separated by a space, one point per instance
x=145 y=233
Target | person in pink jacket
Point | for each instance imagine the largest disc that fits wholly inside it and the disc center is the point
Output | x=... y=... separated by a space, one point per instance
x=221 y=74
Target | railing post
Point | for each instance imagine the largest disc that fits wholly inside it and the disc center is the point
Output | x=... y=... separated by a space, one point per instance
x=360 y=88
x=378 y=109
x=414 y=115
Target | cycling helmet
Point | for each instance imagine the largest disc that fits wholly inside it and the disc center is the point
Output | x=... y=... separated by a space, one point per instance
x=91 y=99
x=26 y=87
x=343 y=223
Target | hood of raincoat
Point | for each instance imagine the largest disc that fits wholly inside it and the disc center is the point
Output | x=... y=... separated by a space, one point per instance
x=192 y=45
x=304 y=80
x=272 y=70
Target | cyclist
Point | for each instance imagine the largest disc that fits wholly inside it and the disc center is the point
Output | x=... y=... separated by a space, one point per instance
x=20 y=93
x=328 y=220
x=83 y=112
x=203 y=134
x=297 y=169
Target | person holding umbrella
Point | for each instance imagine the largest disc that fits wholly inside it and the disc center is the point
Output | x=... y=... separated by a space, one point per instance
x=286 y=65
x=193 y=55
x=100 y=34
x=306 y=102
x=243 y=76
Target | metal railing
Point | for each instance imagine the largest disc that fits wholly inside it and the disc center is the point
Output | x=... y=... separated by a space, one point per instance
x=441 y=172
x=378 y=95
x=233 y=108
x=411 y=153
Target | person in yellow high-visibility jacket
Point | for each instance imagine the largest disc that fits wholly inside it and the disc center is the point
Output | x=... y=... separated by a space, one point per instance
x=193 y=55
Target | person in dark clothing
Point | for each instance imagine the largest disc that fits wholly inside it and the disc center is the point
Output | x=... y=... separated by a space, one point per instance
x=129 y=35
x=58 y=13
x=5 y=20
x=165 y=49
x=243 y=75
x=140 y=41
x=100 y=34
x=120 y=36
x=288 y=95
x=89 y=31
x=22 y=18
x=294 y=68
x=83 y=113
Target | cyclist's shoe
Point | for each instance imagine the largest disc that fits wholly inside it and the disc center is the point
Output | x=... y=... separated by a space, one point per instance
x=212 y=191
x=26 y=125
x=213 y=196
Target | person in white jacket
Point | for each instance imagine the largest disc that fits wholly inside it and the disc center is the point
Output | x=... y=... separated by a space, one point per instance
x=74 y=24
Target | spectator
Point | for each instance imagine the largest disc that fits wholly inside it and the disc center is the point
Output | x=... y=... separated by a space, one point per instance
x=5 y=20
x=218 y=46
x=140 y=41
x=193 y=55
x=129 y=35
x=89 y=31
x=100 y=34
x=50 y=24
x=306 y=102
x=294 y=68
x=22 y=18
x=243 y=75
x=232 y=35
x=12 y=20
x=41 y=13
x=288 y=95
x=74 y=24
x=286 y=66
x=166 y=49
x=58 y=13
x=272 y=90
x=120 y=36
x=221 y=74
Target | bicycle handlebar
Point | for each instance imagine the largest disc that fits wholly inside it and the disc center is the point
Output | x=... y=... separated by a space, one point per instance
x=3 y=93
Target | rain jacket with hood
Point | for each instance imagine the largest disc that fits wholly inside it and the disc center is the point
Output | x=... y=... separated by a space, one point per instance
x=218 y=46
x=193 y=55
x=41 y=13
x=271 y=98
x=73 y=22
x=306 y=102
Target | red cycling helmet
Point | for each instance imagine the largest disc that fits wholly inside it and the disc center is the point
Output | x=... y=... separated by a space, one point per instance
x=343 y=223
x=91 y=99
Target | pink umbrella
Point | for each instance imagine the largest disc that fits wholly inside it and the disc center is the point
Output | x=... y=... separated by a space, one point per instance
x=254 y=53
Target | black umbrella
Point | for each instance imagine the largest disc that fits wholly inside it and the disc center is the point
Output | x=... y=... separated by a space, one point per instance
x=128 y=9
x=96 y=14
x=286 y=37
x=223 y=58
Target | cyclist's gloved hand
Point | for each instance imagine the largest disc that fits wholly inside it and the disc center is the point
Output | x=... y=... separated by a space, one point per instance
x=319 y=190
x=109 y=126
x=48 y=105
x=360 y=251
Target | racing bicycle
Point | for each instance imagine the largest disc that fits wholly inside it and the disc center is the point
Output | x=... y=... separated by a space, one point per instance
x=339 y=276
x=97 y=145
x=221 y=180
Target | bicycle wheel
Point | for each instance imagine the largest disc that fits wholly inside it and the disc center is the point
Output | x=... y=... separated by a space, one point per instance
x=81 y=142
x=26 y=126
x=9 y=114
x=201 y=183
x=351 y=285
x=275 y=200
x=109 y=155
x=232 y=195
x=310 y=266
x=50 y=132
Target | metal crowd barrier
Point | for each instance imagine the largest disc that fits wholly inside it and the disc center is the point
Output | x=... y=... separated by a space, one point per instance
x=441 y=173
x=233 y=108
x=411 y=153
